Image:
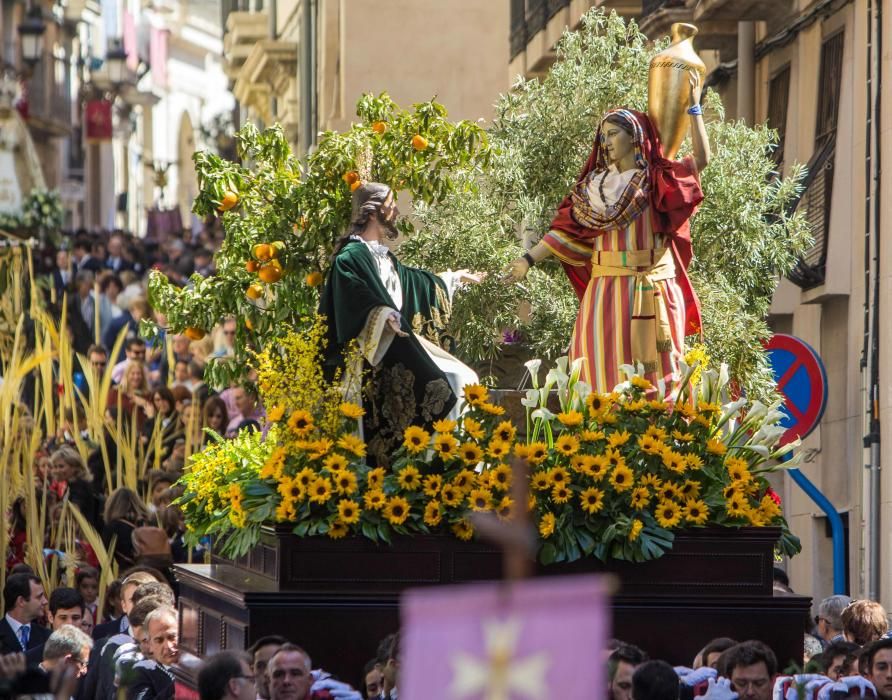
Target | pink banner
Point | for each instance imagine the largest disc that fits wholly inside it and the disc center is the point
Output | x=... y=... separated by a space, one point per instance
x=541 y=638
x=158 y=57
x=130 y=44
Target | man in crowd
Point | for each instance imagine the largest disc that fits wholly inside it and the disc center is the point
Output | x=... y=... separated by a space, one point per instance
x=752 y=667
x=655 y=680
x=864 y=621
x=373 y=680
x=98 y=357
x=66 y=608
x=828 y=619
x=135 y=351
x=621 y=665
x=289 y=674
x=153 y=679
x=879 y=668
x=69 y=648
x=227 y=676
x=248 y=408
x=261 y=652
x=24 y=600
x=838 y=659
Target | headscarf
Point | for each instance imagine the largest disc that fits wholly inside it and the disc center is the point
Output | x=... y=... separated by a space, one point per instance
x=674 y=193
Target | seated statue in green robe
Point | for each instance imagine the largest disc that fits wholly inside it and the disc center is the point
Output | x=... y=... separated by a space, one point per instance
x=398 y=316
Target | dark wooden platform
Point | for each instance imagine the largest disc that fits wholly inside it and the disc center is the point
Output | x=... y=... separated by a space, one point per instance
x=338 y=598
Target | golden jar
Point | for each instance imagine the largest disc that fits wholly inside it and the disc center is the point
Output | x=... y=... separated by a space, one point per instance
x=669 y=87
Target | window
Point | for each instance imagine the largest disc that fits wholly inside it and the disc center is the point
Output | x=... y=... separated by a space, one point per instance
x=778 y=99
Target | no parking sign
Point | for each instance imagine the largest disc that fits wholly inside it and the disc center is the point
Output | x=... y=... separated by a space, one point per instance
x=801 y=378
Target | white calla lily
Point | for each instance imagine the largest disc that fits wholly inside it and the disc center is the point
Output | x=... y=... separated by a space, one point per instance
x=533 y=368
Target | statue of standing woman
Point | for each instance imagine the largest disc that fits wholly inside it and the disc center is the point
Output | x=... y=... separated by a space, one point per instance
x=623 y=238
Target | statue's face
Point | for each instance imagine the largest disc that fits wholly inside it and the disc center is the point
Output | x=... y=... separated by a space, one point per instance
x=617 y=141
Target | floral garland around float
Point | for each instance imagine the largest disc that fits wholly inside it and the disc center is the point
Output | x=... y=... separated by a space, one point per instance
x=612 y=476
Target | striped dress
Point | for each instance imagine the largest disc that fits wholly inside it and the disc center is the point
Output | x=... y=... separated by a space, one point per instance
x=604 y=328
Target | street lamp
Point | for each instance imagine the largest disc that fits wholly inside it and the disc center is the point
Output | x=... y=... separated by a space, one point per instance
x=31 y=35
x=116 y=63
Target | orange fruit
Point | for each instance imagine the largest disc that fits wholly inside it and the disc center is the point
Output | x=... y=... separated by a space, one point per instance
x=262 y=251
x=252 y=266
x=314 y=279
x=350 y=177
x=379 y=127
x=248 y=324
x=230 y=199
x=271 y=272
x=193 y=333
x=278 y=248
x=419 y=143
x=356 y=185
x=254 y=291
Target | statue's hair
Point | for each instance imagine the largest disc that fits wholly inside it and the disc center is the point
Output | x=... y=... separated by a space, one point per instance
x=368 y=198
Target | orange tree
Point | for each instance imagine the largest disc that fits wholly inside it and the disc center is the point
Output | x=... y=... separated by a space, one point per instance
x=281 y=217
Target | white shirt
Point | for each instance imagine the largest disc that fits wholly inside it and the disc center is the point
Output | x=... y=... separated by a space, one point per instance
x=614 y=185
x=16 y=626
x=386 y=270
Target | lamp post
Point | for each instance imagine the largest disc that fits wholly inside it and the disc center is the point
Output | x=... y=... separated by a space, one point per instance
x=31 y=36
x=116 y=63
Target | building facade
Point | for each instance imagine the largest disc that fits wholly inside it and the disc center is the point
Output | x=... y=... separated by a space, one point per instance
x=813 y=70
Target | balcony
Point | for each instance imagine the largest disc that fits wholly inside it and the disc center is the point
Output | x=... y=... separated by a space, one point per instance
x=243 y=30
x=658 y=15
x=270 y=70
x=49 y=97
x=771 y=11
x=715 y=33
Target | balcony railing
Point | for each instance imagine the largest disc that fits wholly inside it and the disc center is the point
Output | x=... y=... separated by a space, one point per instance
x=528 y=18
x=49 y=93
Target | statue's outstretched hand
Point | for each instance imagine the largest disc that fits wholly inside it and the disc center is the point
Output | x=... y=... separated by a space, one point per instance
x=516 y=271
x=696 y=86
x=469 y=277
x=393 y=322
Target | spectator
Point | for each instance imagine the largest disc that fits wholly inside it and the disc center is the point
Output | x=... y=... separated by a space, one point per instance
x=621 y=665
x=159 y=481
x=98 y=357
x=161 y=429
x=69 y=647
x=289 y=672
x=115 y=260
x=88 y=622
x=134 y=351
x=224 y=343
x=247 y=407
x=388 y=659
x=828 y=619
x=131 y=397
x=71 y=478
x=87 y=582
x=24 y=601
x=84 y=282
x=227 y=676
x=839 y=659
x=864 y=621
x=751 y=666
x=137 y=308
x=713 y=650
x=216 y=416
x=124 y=512
x=110 y=287
x=654 y=680
x=879 y=667
x=66 y=607
x=261 y=652
x=154 y=679
x=373 y=680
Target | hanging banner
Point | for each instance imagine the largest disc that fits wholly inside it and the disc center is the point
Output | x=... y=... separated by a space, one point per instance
x=98 y=121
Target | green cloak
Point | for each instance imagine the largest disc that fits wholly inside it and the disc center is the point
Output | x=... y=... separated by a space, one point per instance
x=406 y=387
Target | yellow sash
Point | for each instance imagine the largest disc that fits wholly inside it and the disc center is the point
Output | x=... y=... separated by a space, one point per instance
x=650 y=330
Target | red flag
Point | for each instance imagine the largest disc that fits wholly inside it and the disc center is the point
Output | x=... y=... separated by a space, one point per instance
x=98 y=120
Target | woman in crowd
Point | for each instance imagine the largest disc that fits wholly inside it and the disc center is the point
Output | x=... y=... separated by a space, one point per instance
x=161 y=429
x=216 y=417
x=124 y=512
x=132 y=395
x=71 y=478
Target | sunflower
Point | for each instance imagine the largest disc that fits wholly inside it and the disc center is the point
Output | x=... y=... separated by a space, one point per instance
x=567 y=445
x=473 y=428
x=345 y=483
x=651 y=480
x=463 y=529
x=274 y=415
x=320 y=490
x=274 y=465
x=636 y=406
x=351 y=410
x=416 y=439
x=445 y=425
x=319 y=448
x=540 y=481
x=305 y=477
x=492 y=409
x=622 y=478
x=374 y=499
x=716 y=447
x=668 y=490
x=470 y=453
x=615 y=458
x=769 y=507
x=621 y=437
x=522 y=451
x=480 y=499
x=689 y=489
x=635 y=530
x=656 y=432
x=577 y=463
x=465 y=479
x=497 y=449
x=432 y=485
x=641 y=383
x=475 y=394
x=445 y=445
x=599 y=402
x=409 y=478
x=682 y=437
x=600 y=465
x=696 y=512
x=592 y=435
x=710 y=409
x=375 y=478
x=640 y=498
x=558 y=476
x=736 y=505
x=693 y=461
x=505 y=431
x=570 y=419
x=592 y=500
x=657 y=405
x=651 y=445
x=668 y=514
x=451 y=495
x=538 y=452
x=285 y=511
x=348 y=511
x=560 y=493
x=335 y=462
x=432 y=513
x=738 y=470
x=301 y=423
x=505 y=508
x=546 y=525
x=291 y=490
x=674 y=461
x=397 y=510
x=353 y=444
x=500 y=477
x=337 y=530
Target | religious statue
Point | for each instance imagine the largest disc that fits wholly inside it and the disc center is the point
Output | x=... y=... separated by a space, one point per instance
x=623 y=238
x=397 y=316
x=20 y=170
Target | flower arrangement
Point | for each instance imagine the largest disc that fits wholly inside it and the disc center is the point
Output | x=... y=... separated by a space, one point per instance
x=612 y=475
x=41 y=211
